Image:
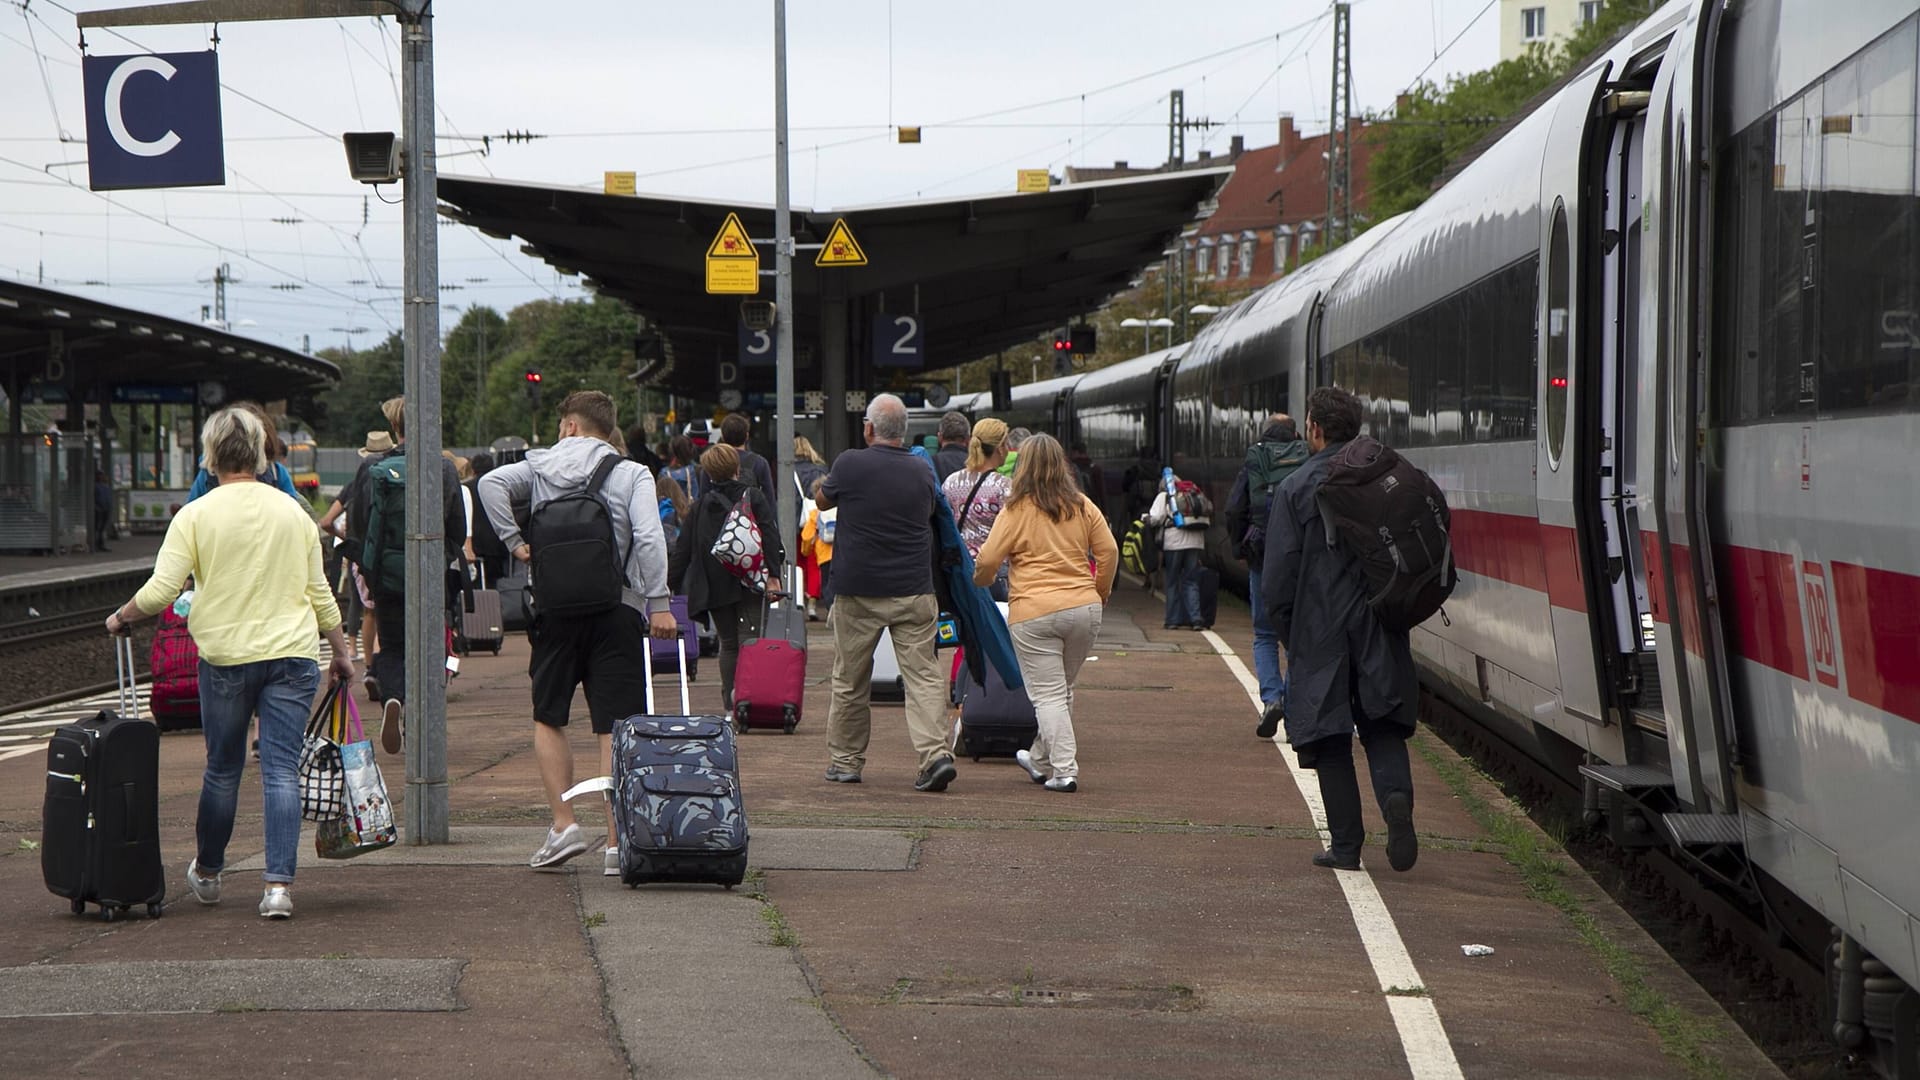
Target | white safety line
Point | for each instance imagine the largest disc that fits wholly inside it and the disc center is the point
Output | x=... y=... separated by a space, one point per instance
x=1429 y=1053
x=8 y=755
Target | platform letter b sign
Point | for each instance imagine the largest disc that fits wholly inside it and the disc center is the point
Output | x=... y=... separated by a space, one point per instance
x=153 y=121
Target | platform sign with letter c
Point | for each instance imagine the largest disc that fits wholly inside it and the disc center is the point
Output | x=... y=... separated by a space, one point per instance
x=153 y=121
x=899 y=341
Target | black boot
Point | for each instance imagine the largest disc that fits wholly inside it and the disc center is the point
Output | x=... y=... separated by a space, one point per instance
x=1270 y=718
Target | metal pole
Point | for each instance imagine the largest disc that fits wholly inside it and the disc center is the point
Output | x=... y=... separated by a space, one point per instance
x=789 y=505
x=426 y=716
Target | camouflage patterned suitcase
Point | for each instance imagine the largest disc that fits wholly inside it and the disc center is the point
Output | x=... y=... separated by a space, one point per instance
x=676 y=788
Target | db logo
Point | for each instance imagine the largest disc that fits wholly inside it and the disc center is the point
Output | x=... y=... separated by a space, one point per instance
x=1820 y=638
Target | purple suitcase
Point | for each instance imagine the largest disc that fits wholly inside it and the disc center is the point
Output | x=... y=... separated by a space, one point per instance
x=667 y=653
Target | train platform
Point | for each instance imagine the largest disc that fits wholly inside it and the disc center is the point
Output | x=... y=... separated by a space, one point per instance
x=127 y=554
x=1162 y=922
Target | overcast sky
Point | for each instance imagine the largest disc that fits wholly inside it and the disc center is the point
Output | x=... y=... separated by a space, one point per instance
x=681 y=93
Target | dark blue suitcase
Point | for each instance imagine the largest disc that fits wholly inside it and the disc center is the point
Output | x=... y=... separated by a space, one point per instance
x=678 y=811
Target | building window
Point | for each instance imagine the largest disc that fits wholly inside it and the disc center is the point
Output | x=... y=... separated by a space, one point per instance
x=1203 y=259
x=1282 y=245
x=1533 y=23
x=1590 y=11
x=1246 y=256
x=1307 y=234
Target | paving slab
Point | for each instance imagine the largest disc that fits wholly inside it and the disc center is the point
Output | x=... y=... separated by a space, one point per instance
x=699 y=988
x=205 y=986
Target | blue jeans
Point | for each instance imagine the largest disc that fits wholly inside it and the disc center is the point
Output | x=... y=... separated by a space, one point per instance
x=281 y=691
x=1183 y=589
x=1266 y=644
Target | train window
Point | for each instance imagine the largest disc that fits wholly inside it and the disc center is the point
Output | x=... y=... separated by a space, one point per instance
x=1868 y=249
x=1507 y=302
x=1559 y=333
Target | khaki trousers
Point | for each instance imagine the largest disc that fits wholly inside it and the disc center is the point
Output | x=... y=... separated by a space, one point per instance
x=857 y=623
x=1052 y=649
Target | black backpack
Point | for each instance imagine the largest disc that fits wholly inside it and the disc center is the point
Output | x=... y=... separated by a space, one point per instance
x=578 y=568
x=1393 y=519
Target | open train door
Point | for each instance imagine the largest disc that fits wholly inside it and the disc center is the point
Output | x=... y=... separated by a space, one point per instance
x=1566 y=363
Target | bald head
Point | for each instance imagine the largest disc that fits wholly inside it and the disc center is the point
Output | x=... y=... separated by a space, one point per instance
x=888 y=415
x=1280 y=428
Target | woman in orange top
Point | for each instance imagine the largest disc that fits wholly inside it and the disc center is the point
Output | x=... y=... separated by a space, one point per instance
x=1049 y=531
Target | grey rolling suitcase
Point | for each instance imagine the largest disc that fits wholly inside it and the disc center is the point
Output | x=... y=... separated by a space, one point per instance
x=479 y=625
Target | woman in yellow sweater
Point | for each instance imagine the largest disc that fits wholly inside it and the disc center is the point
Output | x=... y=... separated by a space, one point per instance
x=260 y=606
x=1049 y=531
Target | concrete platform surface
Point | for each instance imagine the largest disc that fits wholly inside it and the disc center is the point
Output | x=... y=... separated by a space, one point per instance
x=1162 y=922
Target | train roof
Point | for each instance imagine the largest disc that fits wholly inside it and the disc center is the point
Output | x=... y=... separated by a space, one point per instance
x=1125 y=371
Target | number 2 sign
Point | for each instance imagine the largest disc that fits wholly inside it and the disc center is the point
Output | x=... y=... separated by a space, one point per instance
x=899 y=341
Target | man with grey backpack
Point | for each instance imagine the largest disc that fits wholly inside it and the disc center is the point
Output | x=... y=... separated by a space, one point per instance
x=598 y=558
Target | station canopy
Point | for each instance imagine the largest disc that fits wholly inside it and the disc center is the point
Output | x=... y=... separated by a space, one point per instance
x=984 y=273
x=102 y=345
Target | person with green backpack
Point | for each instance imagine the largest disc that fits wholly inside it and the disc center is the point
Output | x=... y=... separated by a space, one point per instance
x=376 y=505
x=1269 y=461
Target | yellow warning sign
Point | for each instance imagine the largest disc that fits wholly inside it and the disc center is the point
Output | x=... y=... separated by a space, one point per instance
x=733 y=266
x=1033 y=180
x=620 y=183
x=841 y=249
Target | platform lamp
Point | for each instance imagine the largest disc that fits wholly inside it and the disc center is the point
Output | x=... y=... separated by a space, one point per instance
x=1147 y=326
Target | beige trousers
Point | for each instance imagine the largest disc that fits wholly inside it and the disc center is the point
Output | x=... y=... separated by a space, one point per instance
x=857 y=623
x=1052 y=649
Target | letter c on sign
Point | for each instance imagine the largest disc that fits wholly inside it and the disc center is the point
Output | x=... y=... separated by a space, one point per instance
x=117 y=124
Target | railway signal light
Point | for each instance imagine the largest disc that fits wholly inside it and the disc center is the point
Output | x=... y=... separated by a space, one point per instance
x=1083 y=341
x=533 y=388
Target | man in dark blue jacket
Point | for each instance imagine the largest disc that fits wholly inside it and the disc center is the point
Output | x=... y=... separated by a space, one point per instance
x=1278 y=454
x=1345 y=671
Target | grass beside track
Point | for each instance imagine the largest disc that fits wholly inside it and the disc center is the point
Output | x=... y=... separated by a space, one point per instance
x=1543 y=864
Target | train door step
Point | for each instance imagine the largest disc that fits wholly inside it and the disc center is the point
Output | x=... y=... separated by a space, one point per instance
x=1624 y=778
x=1704 y=830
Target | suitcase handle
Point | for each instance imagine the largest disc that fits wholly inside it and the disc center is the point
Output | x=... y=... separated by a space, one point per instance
x=646 y=661
x=126 y=676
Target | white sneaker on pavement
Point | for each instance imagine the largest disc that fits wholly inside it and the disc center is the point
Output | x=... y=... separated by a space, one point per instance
x=560 y=847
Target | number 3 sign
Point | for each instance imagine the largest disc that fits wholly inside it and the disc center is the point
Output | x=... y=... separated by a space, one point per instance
x=899 y=341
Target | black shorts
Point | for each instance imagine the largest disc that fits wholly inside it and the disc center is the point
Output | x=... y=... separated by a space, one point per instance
x=602 y=651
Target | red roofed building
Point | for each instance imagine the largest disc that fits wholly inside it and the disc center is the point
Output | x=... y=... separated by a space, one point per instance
x=1271 y=208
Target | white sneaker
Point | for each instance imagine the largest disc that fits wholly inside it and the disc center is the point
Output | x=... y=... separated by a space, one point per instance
x=1025 y=758
x=277 y=903
x=560 y=847
x=1063 y=783
x=613 y=862
x=204 y=889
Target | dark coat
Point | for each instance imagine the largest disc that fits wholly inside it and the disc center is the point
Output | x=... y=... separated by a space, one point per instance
x=984 y=637
x=949 y=459
x=696 y=573
x=1339 y=657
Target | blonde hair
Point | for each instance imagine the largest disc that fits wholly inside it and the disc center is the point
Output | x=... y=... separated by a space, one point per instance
x=989 y=437
x=721 y=463
x=395 y=410
x=803 y=451
x=233 y=442
x=1044 y=475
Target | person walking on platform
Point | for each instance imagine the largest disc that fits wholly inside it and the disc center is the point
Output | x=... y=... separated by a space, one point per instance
x=817 y=530
x=978 y=491
x=272 y=472
x=683 y=466
x=1182 y=540
x=1048 y=532
x=710 y=588
x=376 y=501
x=883 y=580
x=584 y=631
x=486 y=541
x=261 y=604
x=1346 y=671
x=734 y=429
x=1269 y=462
x=1014 y=439
x=952 y=455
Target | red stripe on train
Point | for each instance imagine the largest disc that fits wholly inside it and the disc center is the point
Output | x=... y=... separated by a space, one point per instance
x=1877 y=611
x=1879 y=616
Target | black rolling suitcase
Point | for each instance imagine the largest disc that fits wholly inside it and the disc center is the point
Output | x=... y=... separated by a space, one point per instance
x=100 y=838
x=995 y=719
x=1207 y=584
x=678 y=814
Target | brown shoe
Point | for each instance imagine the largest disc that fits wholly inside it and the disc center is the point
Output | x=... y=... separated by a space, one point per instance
x=390 y=726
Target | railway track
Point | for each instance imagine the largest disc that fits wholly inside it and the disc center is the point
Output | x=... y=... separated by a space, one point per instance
x=52 y=627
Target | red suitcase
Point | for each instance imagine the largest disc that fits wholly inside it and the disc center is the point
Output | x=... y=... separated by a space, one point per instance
x=769 y=681
x=175 y=663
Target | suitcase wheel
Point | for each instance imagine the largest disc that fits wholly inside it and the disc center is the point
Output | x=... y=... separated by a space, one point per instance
x=740 y=718
x=496 y=650
x=79 y=907
x=792 y=721
x=154 y=910
x=107 y=914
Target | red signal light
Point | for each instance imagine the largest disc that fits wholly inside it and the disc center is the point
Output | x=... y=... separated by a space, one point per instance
x=1560 y=383
x=533 y=376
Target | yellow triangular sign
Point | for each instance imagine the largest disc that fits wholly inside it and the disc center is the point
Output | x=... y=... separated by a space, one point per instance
x=732 y=241
x=841 y=249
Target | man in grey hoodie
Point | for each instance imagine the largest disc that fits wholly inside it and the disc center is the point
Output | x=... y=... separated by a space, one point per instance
x=606 y=651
